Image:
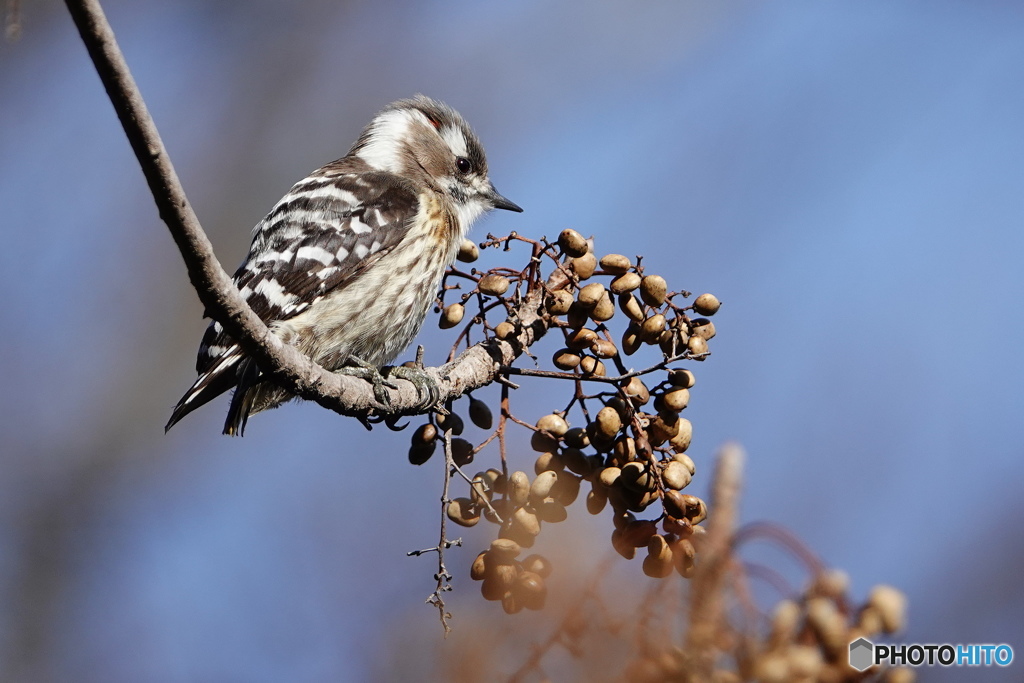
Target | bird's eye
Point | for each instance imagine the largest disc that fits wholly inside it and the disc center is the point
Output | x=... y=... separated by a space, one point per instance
x=464 y=164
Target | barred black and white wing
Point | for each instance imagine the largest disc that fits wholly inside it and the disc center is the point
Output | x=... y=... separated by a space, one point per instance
x=326 y=231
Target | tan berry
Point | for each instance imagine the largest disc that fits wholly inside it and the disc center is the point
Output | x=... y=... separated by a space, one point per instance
x=590 y=294
x=625 y=283
x=603 y=348
x=495 y=285
x=706 y=304
x=596 y=500
x=631 y=340
x=653 y=290
x=468 y=251
x=584 y=266
x=608 y=422
x=636 y=391
x=697 y=346
x=577 y=438
x=652 y=328
x=450 y=421
x=463 y=512
x=702 y=327
x=519 y=488
x=505 y=330
x=558 y=302
x=615 y=264
x=565 y=359
x=451 y=316
x=681 y=377
x=676 y=476
x=604 y=309
x=592 y=366
x=581 y=339
x=553 y=423
x=573 y=243
x=480 y=414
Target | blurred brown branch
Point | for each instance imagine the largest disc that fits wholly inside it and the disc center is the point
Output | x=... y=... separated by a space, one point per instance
x=476 y=367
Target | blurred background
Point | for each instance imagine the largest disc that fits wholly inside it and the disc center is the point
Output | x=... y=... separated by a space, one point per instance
x=848 y=178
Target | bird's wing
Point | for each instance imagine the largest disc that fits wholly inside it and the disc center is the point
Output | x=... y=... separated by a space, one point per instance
x=327 y=230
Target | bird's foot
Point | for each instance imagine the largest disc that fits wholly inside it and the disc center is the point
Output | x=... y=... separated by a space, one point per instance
x=427 y=391
x=371 y=373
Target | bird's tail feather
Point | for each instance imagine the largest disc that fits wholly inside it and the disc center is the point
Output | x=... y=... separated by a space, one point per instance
x=209 y=385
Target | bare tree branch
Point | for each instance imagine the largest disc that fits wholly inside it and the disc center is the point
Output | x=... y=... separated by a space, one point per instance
x=477 y=366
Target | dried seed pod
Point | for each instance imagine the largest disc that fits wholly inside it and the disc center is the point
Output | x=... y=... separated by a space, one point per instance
x=511 y=603
x=566 y=489
x=492 y=284
x=502 y=506
x=663 y=427
x=674 y=503
x=504 y=330
x=786 y=618
x=615 y=264
x=581 y=339
x=525 y=521
x=696 y=509
x=578 y=316
x=450 y=421
x=686 y=461
x=631 y=339
x=573 y=243
x=479 y=568
x=468 y=251
x=491 y=587
x=702 y=327
x=891 y=605
x=542 y=485
x=577 y=438
x=462 y=452
x=828 y=623
x=596 y=500
x=592 y=366
x=624 y=450
x=577 y=461
x=553 y=423
x=697 y=346
x=676 y=476
x=538 y=564
x=609 y=476
x=683 y=556
x=519 y=488
x=551 y=511
x=590 y=295
x=651 y=329
x=636 y=391
x=832 y=583
x=630 y=305
x=424 y=435
x=608 y=422
x=658 y=563
x=463 y=512
x=653 y=290
x=681 y=441
x=565 y=359
x=604 y=309
x=603 y=348
x=531 y=590
x=584 y=266
x=622 y=546
x=480 y=414
x=503 y=551
x=451 y=316
x=495 y=481
x=706 y=304
x=638 y=532
x=681 y=377
x=637 y=477
x=558 y=302
x=673 y=401
x=549 y=462
x=543 y=441
x=420 y=453
x=677 y=526
x=625 y=283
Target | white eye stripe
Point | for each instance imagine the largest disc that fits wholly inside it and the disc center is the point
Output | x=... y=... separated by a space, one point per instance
x=455 y=139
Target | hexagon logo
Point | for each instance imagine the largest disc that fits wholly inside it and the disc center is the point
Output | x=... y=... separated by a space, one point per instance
x=862 y=654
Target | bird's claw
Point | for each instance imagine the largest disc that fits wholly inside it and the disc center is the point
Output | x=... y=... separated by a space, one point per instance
x=427 y=391
x=371 y=374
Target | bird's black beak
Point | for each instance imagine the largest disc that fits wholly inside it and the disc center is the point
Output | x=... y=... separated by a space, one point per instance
x=500 y=202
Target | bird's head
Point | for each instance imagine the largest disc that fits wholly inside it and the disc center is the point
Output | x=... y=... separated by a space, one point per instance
x=429 y=142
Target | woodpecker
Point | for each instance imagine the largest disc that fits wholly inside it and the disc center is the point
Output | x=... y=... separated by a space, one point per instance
x=347 y=263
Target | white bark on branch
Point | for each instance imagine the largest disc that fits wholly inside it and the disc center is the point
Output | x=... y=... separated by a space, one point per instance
x=477 y=366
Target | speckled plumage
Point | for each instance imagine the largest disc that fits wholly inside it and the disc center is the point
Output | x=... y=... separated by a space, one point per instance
x=347 y=264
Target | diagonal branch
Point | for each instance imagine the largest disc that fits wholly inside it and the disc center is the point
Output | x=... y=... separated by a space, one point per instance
x=475 y=367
